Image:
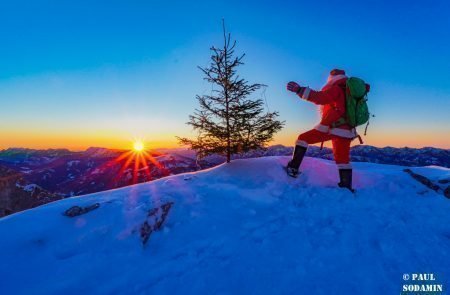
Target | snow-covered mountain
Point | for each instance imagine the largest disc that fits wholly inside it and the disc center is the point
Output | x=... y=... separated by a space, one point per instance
x=365 y=153
x=16 y=193
x=239 y=228
x=65 y=173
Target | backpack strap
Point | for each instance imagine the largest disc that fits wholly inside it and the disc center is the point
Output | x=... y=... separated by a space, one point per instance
x=360 y=139
x=343 y=120
x=365 y=129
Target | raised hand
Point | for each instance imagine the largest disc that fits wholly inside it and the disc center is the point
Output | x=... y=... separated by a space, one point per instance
x=293 y=86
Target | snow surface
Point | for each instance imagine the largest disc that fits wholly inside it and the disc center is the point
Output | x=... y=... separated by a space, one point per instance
x=240 y=228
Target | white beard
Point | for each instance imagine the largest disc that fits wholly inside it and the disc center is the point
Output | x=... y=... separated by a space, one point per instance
x=331 y=79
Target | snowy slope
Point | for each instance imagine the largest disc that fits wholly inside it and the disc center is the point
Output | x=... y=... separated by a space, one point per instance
x=240 y=228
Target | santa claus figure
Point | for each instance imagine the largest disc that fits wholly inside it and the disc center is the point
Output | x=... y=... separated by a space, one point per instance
x=331 y=100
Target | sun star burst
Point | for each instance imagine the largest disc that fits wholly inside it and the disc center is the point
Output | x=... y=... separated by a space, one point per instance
x=138 y=146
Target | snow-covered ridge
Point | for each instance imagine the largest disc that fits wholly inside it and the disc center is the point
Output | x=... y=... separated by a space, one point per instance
x=239 y=228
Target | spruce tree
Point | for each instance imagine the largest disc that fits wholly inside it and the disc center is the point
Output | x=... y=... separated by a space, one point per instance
x=227 y=121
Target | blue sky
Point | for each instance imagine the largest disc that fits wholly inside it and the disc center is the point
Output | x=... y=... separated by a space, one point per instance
x=81 y=73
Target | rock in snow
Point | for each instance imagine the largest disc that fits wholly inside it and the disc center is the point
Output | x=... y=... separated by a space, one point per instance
x=239 y=228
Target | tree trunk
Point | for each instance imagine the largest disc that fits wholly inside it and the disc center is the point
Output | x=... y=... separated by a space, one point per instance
x=227 y=101
x=228 y=132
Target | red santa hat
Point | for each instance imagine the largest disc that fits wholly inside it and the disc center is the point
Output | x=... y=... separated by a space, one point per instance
x=335 y=72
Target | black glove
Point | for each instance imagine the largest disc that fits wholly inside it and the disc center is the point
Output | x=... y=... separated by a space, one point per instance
x=294 y=87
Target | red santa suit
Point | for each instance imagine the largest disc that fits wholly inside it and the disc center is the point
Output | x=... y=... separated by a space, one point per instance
x=331 y=99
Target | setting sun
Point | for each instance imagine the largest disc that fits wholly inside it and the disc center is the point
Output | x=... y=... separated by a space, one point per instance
x=138 y=146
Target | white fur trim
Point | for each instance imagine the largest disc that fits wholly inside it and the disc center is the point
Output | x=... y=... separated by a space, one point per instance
x=337 y=131
x=301 y=143
x=322 y=128
x=344 y=132
x=344 y=166
x=306 y=93
x=331 y=79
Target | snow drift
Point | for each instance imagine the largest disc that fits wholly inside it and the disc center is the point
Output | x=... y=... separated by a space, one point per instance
x=239 y=228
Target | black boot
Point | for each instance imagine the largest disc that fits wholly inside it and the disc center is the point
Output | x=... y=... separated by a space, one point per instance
x=297 y=158
x=345 y=176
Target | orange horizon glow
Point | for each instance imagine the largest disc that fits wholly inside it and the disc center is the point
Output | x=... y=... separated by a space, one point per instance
x=80 y=142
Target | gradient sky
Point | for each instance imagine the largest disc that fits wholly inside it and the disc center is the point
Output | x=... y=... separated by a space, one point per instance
x=101 y=73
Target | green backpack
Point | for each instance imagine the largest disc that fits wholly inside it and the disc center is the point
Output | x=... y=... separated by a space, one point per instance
x=357 y=111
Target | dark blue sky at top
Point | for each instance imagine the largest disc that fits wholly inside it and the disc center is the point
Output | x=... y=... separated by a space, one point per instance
x=397 y=39
x=401 y=46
